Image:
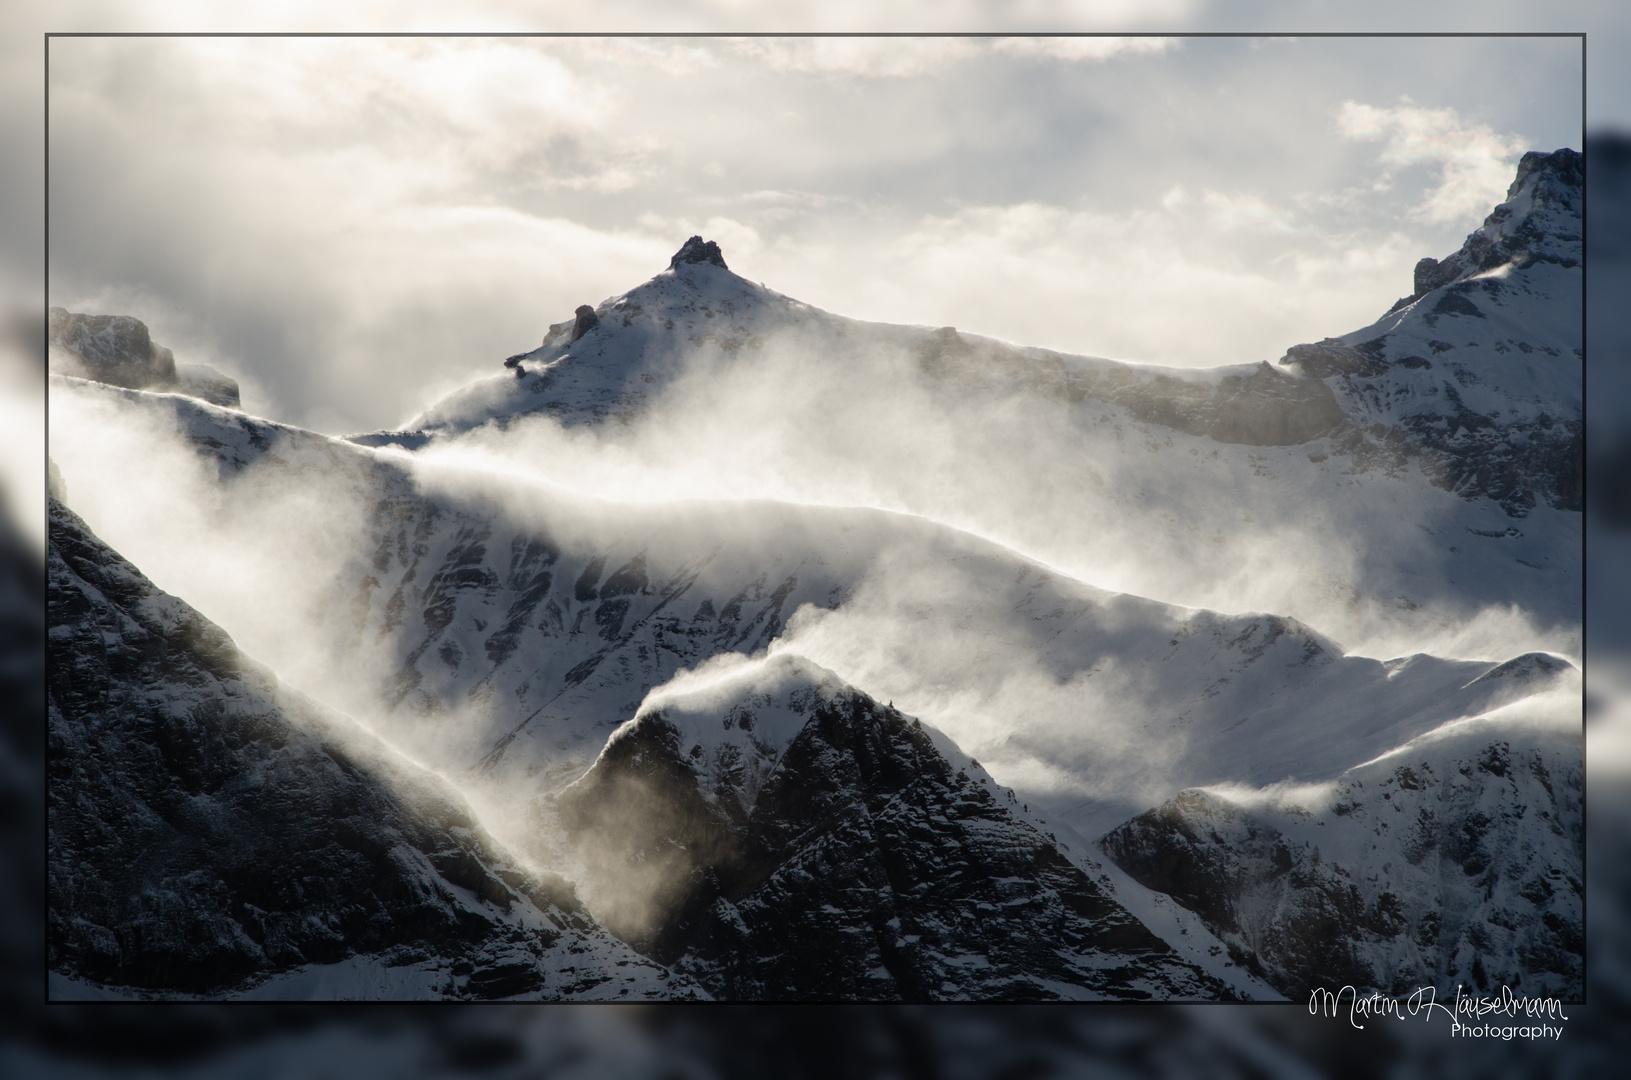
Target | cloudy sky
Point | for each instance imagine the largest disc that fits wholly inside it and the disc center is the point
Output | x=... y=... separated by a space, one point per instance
x=352 y=226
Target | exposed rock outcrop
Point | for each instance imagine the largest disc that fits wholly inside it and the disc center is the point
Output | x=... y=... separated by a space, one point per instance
x=585 y=321
x=118 y=350
x=698 y=250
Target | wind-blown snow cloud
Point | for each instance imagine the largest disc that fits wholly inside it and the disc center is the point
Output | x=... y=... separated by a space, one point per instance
x=1474 y=162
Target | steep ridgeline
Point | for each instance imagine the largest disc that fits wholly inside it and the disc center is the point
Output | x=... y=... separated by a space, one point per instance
x=782 y=836
x=526 y=640
x=512 y=629
x=615 y=361
x=211 y=833
x=1457 y=859
x=118 y=350
x=1478 y=373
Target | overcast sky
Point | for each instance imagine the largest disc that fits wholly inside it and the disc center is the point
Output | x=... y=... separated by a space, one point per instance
x=352 y=226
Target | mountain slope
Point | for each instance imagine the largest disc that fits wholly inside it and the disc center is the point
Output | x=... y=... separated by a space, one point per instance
x=1457 y=858
x=497 y=601
x=1480 y=368
x=782 y=836
x=510 y=628
x=1496 y=414
x=210 y=833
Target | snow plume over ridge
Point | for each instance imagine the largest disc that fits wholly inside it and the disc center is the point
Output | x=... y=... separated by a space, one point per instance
x=700 y=384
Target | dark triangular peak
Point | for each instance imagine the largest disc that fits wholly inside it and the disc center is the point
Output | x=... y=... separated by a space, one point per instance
x=791 y=838
x=698 y=250
x=211 y=831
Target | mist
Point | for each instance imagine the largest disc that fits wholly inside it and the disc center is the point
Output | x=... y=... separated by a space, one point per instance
x=983 y=538
x=1184 y=519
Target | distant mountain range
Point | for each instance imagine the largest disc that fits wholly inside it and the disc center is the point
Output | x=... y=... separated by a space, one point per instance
x=673 y=726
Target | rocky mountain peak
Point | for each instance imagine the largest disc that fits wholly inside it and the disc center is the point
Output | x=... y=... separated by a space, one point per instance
x=1564 y=168
x=1538 y=222
x=698 y=250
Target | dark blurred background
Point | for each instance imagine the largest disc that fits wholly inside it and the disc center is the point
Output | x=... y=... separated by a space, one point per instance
x=359 y=1042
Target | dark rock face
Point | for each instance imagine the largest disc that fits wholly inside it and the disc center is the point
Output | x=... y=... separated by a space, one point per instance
x=698 y=250
x=865 y=867
x=207 y=829
x=115 y=349
x=118 y=350
x=585 y=321
x=1465 y=870
x=204 y=382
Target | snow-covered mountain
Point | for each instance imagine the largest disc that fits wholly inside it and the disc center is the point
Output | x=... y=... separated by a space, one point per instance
x=676 y=700
x=1414 y=481
x=213 y=833
x=1496 y=415
x=1481 y=366
x=512 y=636
x=780 y=835
x=1458 y=858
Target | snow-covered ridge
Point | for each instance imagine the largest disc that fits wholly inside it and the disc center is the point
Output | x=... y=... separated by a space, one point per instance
x=1456 y=858
x=213 y=833
x=616 y=360
x=1480 y=370
x=523 y=627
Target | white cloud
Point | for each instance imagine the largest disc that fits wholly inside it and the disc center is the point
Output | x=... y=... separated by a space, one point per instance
x=308 y=209
x=1474 y=161
x=864 y=57
x=1152 y=285
x=1085 y=48
x=1242 y=212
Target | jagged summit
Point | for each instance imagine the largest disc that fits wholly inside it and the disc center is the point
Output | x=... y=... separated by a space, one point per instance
x=1476 y=374
x=1480 y=367
x=1538 y=222
x=698 y=250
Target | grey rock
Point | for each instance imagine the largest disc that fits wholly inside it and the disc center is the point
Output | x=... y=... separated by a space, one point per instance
x=118 y=350
x=586 y=320
x=698 y=250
